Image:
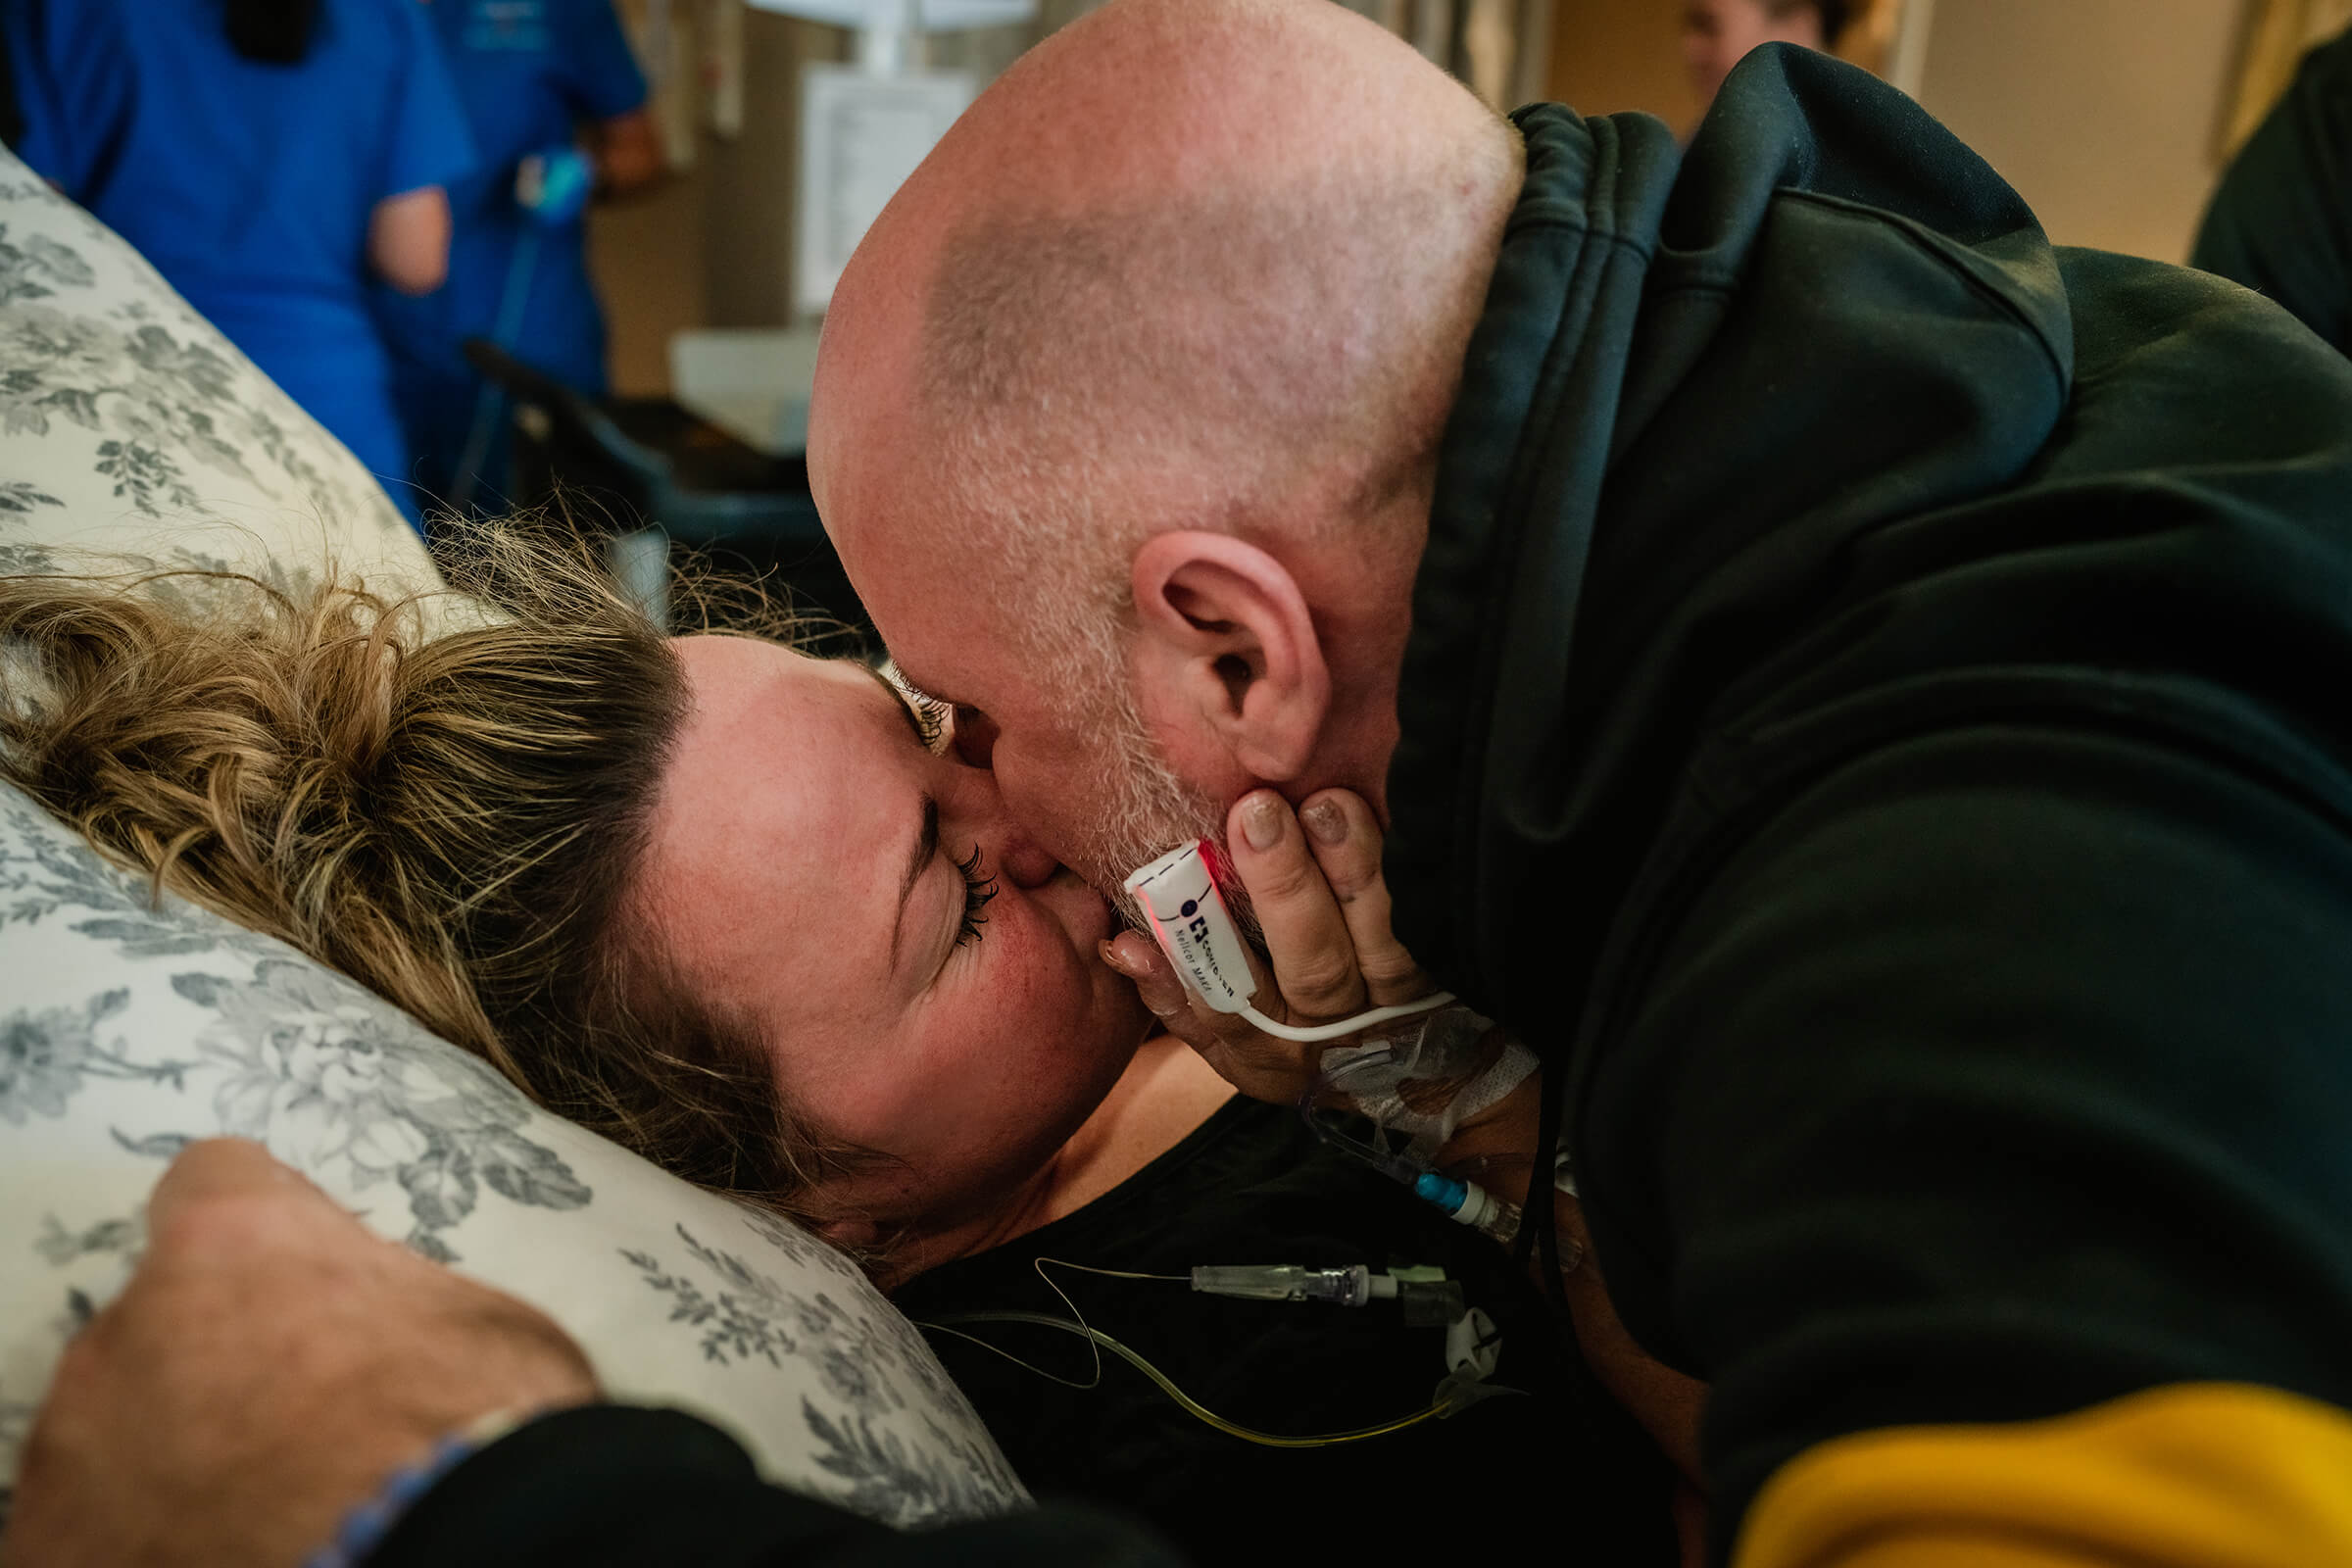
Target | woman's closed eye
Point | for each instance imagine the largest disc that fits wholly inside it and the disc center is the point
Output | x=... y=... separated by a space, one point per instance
x=934 y=721
x=978 y=889
x=933 y=724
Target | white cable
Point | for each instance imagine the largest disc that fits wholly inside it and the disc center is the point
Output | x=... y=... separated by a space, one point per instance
x=1346 y=1026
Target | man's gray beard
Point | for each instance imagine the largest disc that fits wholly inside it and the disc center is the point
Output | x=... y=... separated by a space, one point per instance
x=1150 y=811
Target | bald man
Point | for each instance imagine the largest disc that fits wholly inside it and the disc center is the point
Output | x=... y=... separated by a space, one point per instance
x=1858 y=689
x=1846 y=681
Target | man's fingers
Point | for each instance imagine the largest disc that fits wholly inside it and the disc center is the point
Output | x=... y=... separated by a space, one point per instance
x=1178 y=1010
x=1345 y=842
x=1314 y=956
x=1257 y=1064
x=1133 y=956
x=220 y=1168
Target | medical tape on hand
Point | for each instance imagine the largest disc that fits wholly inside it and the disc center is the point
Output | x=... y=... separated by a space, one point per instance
x=1452 y=1045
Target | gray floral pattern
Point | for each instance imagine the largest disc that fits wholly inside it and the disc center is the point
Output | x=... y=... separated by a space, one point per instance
x=864 y=1357
x=129 y=423
x=59 y=1245
x=22 y=495
x=43 y=872
x=303 y=1060
x=323 y=1073
x=46 y=1054
x=161 y=400
x=130 y=1026
x=131 y=430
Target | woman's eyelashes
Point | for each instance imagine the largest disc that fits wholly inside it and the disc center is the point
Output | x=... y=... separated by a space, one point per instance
x=934 y=721
x=978 y=889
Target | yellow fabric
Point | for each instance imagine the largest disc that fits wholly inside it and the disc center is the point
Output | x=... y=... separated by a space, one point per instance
x=2211 y=1475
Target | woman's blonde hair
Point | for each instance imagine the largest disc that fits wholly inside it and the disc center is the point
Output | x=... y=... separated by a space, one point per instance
x=454 y=820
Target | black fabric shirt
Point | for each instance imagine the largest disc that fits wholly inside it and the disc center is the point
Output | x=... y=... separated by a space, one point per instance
x=1874 y=719
x=2281 y=220
x=1252 y=1185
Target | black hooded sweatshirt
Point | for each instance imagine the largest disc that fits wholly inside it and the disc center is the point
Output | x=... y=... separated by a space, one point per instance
x=1877 y=719
x=2281 y=220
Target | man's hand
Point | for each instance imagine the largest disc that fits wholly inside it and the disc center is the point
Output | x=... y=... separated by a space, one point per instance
x=1315 y=883
x=269 y=1365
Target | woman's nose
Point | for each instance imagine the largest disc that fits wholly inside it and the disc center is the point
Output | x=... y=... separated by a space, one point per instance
x=1021 y=863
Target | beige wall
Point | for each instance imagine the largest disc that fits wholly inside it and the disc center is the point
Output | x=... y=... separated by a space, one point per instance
x=646 y=259
x=2103 y=112
x=1608 y=55
x=747 y=234
x=712 y=247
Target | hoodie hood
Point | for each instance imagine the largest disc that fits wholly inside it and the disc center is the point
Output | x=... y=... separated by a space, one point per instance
x=1700 y=376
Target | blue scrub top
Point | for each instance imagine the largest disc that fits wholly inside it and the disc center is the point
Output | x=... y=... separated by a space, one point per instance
x=528 y=71
x=250 y=187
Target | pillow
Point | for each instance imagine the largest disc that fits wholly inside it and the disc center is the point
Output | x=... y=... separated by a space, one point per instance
x=128 y=1029
x=130 y=426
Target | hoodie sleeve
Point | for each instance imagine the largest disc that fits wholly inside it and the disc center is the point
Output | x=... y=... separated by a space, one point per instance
x=1996 y=1079
x=607 y=1486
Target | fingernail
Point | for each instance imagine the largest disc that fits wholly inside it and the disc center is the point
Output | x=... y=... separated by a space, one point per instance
x=1261 y=822
x=1110 y=955
x=1325 y=821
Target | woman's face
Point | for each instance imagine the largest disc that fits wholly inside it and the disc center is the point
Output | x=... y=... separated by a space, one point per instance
x=812 y=870
x=1717 y=35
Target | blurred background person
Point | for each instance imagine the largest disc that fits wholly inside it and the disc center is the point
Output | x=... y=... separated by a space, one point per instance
x=555 y=101
x=2281 y=221
x=1718 y=33
x=272 y=158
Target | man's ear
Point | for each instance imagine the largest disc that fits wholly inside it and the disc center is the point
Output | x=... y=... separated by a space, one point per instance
x=1227 y=644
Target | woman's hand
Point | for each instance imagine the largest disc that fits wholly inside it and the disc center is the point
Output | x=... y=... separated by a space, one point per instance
x=1313 y=880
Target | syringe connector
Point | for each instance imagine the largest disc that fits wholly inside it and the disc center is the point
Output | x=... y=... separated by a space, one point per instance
x=1287 y=1282
x=1468 y=1203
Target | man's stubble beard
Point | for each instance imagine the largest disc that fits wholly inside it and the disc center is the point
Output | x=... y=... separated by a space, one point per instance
x=1148 y=810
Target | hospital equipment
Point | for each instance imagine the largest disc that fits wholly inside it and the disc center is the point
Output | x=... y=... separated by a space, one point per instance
x=1463 y=1201
x=1472 y=1345
x=1178 y=895
x=1424 y=1299
x=552 y=186
x=1189 y=918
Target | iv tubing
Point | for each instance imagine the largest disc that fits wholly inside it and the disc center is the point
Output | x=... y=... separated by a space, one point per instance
x=1191 y=1405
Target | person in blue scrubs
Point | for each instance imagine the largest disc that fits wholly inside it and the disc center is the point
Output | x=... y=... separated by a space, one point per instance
x=536 y=77
x=272 y=158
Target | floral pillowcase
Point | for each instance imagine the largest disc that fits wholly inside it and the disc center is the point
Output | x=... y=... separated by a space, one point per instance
x=130 y=426
x=128 y=1029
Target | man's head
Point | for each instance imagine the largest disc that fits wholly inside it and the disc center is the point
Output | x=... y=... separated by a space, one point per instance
x=1127 y=411
x=1717 y=34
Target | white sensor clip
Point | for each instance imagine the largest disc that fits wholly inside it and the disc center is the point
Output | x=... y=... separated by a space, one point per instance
x=1178 y=895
